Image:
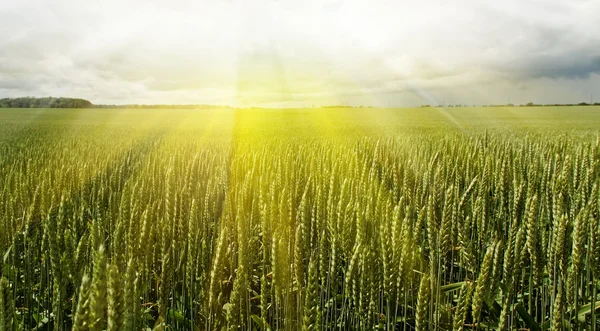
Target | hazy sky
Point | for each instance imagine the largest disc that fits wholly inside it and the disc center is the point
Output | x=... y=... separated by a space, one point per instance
x=290 y=53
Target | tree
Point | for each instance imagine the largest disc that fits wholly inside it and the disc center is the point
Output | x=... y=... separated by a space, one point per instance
x=48 y=102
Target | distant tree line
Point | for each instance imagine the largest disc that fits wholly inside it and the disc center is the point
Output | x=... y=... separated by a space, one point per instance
x=48 y=102
x=52 y=102
x=189 y=106
x=345 y=106
x=529 y=104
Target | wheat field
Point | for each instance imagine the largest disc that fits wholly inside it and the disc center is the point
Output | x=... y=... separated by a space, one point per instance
x=300 y=219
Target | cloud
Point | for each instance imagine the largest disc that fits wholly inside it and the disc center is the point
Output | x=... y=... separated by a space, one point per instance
x=289 y=51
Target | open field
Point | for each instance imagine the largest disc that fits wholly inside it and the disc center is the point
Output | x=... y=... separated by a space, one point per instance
x=346 y=219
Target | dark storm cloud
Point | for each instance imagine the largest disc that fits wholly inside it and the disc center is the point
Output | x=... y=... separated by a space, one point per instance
x=559 y=41
x=569 y=66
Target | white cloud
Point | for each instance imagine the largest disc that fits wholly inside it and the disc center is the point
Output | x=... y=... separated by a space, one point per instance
x=298 y=52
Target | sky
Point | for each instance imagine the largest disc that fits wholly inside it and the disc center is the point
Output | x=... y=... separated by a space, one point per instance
x=281 y=53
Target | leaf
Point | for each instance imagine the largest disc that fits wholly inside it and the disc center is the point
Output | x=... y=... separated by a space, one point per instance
x=5 y=267
x=586 y=309
x=527 y=318
x=494 y=309
x=404 y=319
x=546 y=325
x=5 y=258
x=226 y=307
x=489 y=325
x=451 y=287
x=178 y=316
x=175 y=314
x=258 y=320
